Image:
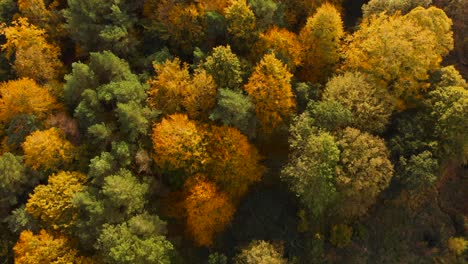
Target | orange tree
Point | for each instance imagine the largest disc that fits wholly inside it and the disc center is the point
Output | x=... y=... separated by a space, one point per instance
x=270 y=88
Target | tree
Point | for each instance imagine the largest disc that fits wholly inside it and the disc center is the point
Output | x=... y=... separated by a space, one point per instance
x=234 y=164
x=173 y=90
x=330 y=115
x=260 y=252
x=265 y=12
x=370 y=106
x=35 y=57
x=270 y=88
x=120 y=190
x=45 y=248
x=435 y=20
x=241 y=24
x=311 y=170
x=13 y=179
x=178 y=144
x=42 y=16
x=235 y=109
x=449 y=107
x=138 y=240
x=321 y=37
x=225 y=67
x=364 y=171
x=419 y=171
x=341 y=235
x=181 y=24
x=208 y=211
x=284 y=44
x=297 y=11
x=200 y=97
x=457 y=245
x=375 y=7
x=48 y=150
x=52 y=203
x=395 y=51
x=97 y=25
x=448 y=76
x=24 y=96
x=106 y=92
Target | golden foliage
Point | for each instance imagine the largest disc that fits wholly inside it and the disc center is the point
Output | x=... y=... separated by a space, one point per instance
x=48 y=150
x=24 y=96
x=45 y=248
x=208 y=210
x=200 y=97
x=270 y=88
x=173 y=90
x=52 y=203
x=178 y=144
x=283 y=43
x=34 y=56
x=321 y=37
x=395 y=51
x=167 y=88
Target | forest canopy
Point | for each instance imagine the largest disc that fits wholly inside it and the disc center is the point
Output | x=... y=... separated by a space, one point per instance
x=233 y=131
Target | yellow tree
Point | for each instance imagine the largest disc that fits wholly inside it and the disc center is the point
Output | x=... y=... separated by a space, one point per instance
x=283 y=43
x=168 y=87
x=395 y=51
x=435 y=20
x=45 y=248
x=321 y=37
x=234 y=163
x=48 y=150
x=178 y=144
x=24 y=96
x=34 y=56
x=174 y=90
x=208 y=210
x=270 y=88
x=52 y=203
x=200 y=96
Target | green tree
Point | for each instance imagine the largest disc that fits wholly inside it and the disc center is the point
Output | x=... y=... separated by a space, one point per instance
x=120 y=190
x=120 y=197
x=311 y=170
x=97 y=25
x=330 y=115
x=321 y=37
x=13 y=179
x=139 y=240
x=108 y=99
x=235 y=109
x=449 y=108
x=419 y=171
x=370 y=106
x=225 y=67
x=265 y=12
x=260 y=252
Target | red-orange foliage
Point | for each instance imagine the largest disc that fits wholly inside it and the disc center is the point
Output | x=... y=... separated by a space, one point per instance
x=208 y=210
